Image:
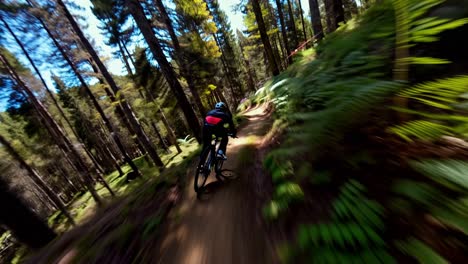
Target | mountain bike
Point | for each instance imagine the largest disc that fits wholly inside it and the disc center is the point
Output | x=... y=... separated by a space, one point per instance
x=209 y=161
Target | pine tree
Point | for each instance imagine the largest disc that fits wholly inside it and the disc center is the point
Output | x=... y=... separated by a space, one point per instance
x=316 y=19
x=54 y=129
x=138 y=14
x=265 y=40
x=230 y=51
x=148 y=145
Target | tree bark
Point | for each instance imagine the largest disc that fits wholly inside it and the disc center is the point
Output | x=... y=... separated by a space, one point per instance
x=264 y=36
x=316 y=20
x=124 y=58
x=185 y=69
x=302 y=19
x=148 y=145
x=335 y=14
x=144 y=25
x=279 y=7
x=235 y=99
x=250 y=74
x=34 y=175
x=25 y=225
x=292 y=24
x=161 y=139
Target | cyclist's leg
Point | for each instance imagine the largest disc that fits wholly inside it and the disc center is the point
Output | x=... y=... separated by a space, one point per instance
x=224 y=140
x=207 y=135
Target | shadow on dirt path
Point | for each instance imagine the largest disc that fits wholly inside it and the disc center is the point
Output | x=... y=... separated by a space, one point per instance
x=222 y=226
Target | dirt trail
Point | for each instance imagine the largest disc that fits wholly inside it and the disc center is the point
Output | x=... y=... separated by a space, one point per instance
x=223 y=226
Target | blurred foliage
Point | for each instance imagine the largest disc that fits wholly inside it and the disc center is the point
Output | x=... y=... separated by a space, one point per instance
x=343 y=98
x=356 y=224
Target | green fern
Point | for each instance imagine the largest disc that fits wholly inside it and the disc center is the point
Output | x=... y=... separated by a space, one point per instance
x=421 y=129
x=353 y=235
x=440 y=93
x=420 y=251
x=450 y=173
x=450 y=209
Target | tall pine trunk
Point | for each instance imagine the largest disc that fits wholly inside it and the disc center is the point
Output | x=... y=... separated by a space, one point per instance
x=185 y=69
x=302 y=19
x=279 y=7
x=316 y=19
x=59 y=108
x=148 y=145
x=335 y=14
x=34 y=175
x=292 y=24
x=56 y=132
x=95 y=103
x=144 y=25
x=264 y=36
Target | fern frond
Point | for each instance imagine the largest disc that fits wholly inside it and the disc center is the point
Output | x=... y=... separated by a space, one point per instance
x=450 y=173
x=454 y=214
x=438 y=93
x=420 y=251
x=421 y=129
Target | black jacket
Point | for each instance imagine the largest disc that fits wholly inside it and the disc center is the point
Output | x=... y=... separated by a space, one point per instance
x=217 y=118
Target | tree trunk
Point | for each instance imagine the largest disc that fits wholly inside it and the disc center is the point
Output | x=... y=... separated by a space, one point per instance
x=251 y=79
x=263 y=34
x=185 y=69
x=25 y=225
x=145 y=27
x=235 y=99
x=273 y=39
x=129 y=56
x=279 y=6
x=107 y=122
x=292 y=24
x=170 y=131
x=56 y=132
x=335 y=14
x=148 y=145
x=37 y=179
x=302 y=19
x=59 y=108
x=125 y=59
x=316 y=20
x=339 y=12
x=161 y=139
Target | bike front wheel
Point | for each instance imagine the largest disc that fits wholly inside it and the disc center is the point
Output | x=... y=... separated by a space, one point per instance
x=203 y=170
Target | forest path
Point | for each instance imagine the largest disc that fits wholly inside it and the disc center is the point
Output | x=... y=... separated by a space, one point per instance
x=223 y=226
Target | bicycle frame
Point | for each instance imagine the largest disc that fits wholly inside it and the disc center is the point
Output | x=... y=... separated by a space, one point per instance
x=212 y=159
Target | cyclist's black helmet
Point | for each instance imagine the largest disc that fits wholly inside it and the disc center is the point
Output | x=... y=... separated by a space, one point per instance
x=221 y=106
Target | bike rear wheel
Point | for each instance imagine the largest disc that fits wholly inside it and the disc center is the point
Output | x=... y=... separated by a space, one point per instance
x=203 y=170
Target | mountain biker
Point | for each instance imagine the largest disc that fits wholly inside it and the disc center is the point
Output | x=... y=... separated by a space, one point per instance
x=214 y=124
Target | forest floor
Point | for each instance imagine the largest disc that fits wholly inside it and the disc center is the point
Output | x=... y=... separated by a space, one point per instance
x=223 y=225
x=165 y=222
